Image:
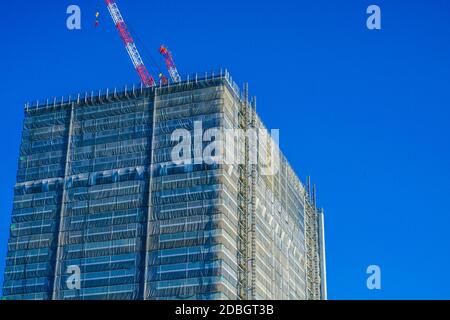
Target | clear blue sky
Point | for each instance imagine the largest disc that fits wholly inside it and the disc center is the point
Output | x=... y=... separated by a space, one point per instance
x=365 y=113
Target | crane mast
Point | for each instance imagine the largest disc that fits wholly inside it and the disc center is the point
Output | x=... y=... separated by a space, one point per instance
x=146 y=79
x=170 y=64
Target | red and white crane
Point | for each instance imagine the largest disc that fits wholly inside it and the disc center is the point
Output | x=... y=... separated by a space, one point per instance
x=146 y=78
x=170 y=64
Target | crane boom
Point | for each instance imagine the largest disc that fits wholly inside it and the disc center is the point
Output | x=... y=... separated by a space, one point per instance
x=146 y=79
x=170 y=64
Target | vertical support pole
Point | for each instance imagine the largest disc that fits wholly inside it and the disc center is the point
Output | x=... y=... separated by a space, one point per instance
x=58 y=271
x=149 y=212
x=253 y=193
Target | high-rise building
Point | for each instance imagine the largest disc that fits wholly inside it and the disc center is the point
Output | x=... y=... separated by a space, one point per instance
x=103 y=211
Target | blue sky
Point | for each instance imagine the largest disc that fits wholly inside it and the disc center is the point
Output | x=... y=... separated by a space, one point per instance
x=365 y=113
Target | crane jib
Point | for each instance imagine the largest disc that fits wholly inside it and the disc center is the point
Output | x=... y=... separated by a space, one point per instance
x=138 y=63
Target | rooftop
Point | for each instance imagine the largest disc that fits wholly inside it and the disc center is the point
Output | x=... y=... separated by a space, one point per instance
x=133 y=91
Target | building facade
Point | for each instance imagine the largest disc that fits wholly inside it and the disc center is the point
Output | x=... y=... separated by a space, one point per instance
x=102 y=210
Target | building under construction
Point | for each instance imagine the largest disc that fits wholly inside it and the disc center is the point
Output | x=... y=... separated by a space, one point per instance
x=97 y=191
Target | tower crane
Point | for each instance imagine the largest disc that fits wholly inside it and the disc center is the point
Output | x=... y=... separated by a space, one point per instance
x=170 y=64
x=146 y=78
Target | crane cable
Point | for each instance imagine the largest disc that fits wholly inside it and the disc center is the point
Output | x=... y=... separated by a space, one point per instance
x=146 y=52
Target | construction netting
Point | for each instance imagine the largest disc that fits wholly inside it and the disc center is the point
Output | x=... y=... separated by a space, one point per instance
x=98 y=189
x=192 y=250
x=32 y=246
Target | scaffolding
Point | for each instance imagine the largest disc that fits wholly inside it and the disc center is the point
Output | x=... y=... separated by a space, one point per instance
x=315 y=263
x=96 y=188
